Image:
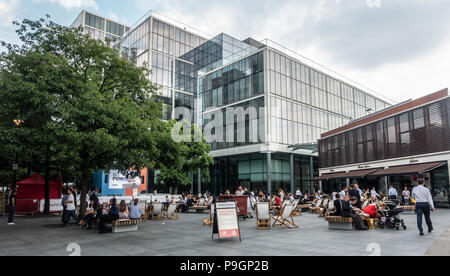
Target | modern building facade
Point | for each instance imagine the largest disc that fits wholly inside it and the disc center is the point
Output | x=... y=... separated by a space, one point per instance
x=100 y=27
x=392 y=147
x=208 y=75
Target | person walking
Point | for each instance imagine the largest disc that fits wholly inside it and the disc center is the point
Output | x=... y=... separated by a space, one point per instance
x=70 y=209
x=64 y=198
x=12 y=206
x=424 y=205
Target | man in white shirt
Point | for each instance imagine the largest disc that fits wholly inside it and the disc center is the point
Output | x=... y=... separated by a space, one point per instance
x=298 y=193
x=70 y=209
x=240 y=191
x=424 y=205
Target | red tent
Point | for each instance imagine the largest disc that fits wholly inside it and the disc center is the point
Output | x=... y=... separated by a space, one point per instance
x=34 y=188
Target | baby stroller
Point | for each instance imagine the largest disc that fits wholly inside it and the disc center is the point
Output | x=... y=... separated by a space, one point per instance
x=390 y=217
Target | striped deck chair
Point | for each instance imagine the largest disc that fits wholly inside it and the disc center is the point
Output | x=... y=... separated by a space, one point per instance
x=157 y=212
x=209 y=221
x=143 y=207
x=285 y=217
x=263 y=216
x=330 y=208
x=171 y=212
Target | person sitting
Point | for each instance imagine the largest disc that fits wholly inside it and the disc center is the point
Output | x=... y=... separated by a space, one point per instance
x=277 y=201
x=349 y=212
x=123 y=210
x=338 y=204
x=112 y=215
x=371 y=210
x=91 y=214
x=135 y=210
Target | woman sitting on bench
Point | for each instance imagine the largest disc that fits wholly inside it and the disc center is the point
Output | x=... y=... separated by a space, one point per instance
x=123 y=210
x=135 y=211
x=113 y=214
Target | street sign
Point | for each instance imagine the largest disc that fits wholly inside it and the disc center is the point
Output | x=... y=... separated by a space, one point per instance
x=226 y=224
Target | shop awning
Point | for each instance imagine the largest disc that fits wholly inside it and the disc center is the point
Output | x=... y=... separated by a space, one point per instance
x=329 y=176
x=351 y=174
x=361 y=173
x=409 y=169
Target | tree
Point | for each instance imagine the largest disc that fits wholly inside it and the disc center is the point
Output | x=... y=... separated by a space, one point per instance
x=182 y=158
x=97 y=109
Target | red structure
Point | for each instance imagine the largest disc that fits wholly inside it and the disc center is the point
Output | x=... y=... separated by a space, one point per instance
x=241 y=203
x=34 y=188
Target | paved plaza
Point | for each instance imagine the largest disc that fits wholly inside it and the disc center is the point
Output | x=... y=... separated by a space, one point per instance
x=188 y=237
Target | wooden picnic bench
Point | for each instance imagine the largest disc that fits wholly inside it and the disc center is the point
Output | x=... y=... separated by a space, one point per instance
x=340 y=223
x=125 y=225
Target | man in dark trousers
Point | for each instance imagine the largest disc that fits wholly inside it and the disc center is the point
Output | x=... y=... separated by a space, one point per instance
x=354 y=192
x=348 y=212
x=424 y=205
x=12 y=206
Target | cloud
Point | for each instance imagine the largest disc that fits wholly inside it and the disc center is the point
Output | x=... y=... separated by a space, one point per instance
x=7 y=12
x=374 y=45
x=70 y=4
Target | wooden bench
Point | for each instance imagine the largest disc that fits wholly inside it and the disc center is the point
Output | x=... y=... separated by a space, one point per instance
x=409 y=209
x=125 y=225
x=340 y=223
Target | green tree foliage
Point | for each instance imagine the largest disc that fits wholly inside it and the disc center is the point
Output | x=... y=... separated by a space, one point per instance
x=82 y=105
x=183 y=158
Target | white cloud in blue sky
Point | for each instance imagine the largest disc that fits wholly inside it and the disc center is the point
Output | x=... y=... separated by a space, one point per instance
x=401 y=49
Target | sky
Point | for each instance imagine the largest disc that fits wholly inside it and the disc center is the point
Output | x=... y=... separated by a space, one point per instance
x=398 y=48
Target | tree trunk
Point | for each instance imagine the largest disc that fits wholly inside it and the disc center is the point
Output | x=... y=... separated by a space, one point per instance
x=84 y=186
x=47 y=187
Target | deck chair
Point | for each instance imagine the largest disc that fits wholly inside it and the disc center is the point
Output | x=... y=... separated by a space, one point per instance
x=324 y=207
x=143 y=207
x=171 y=212
x=365 y=204
x=263 y=217
x=330 y=208
x=157 y=212
x=318 y=205
x=201 y=202
x=285 y=217
x=209 y=221
x=295 y=211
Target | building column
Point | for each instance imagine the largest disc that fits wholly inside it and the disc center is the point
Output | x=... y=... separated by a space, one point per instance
x=448 y=190
x=292 y=174
x=192 y=184
x=311 y=174
x=448 y=167
x=386 y=185
x=269 y=173
x=199 y=179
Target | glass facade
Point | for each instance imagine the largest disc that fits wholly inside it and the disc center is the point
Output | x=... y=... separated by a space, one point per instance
x=251 y=171
x=100 y=28
x=306 y=102
x=215 y=74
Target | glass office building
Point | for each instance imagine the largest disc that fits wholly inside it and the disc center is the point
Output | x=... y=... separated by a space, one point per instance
x=295 y=101
x=100 y=27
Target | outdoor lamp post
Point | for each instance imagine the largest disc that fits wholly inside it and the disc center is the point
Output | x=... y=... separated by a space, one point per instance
x=18 y=123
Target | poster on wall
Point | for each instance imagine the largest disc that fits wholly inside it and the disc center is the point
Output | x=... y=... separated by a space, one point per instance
x=226 y=223
x=119 y=181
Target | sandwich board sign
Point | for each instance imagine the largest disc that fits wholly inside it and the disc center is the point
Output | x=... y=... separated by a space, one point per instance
x=226 y=224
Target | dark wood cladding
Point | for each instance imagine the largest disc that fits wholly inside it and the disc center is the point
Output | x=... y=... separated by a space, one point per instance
x=418 y=131
x=389 y=112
